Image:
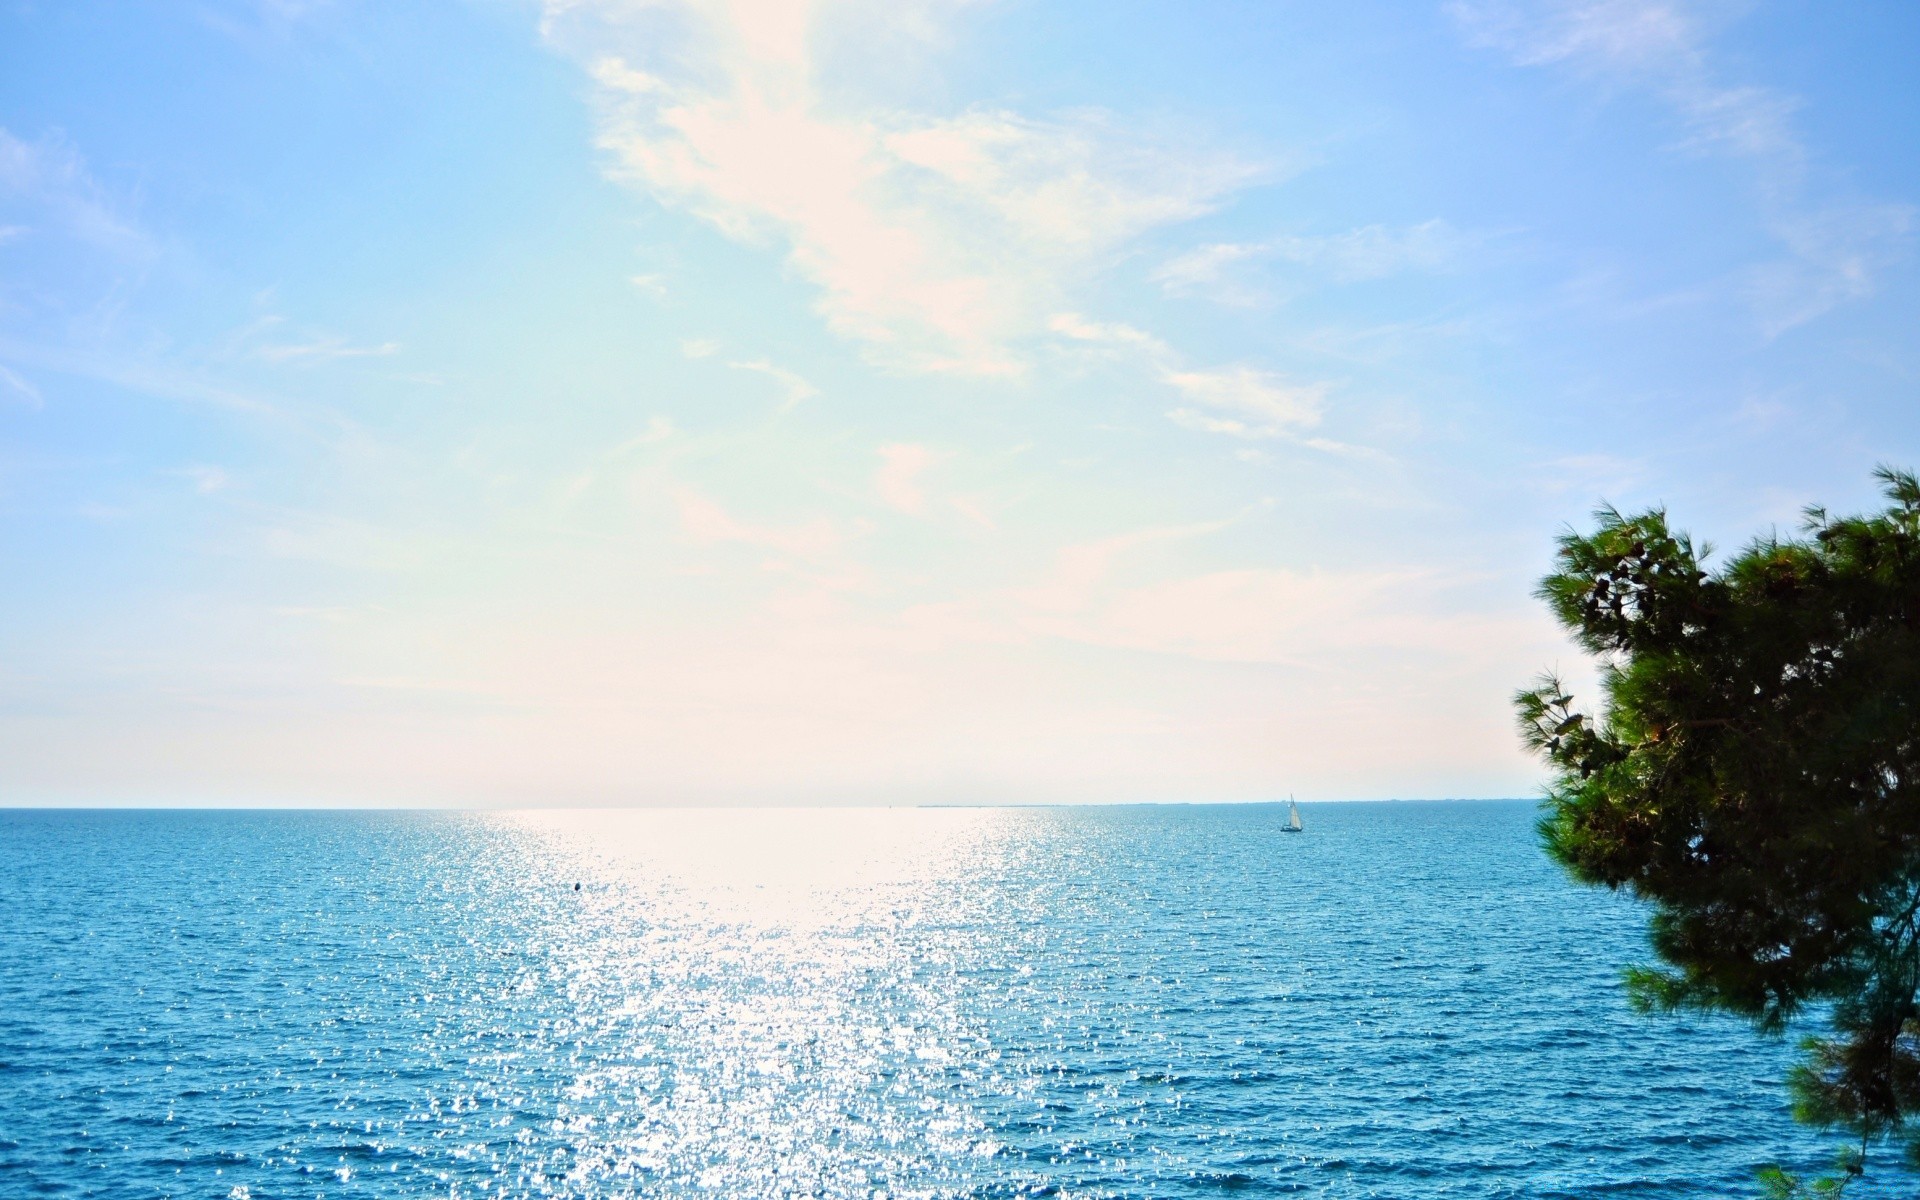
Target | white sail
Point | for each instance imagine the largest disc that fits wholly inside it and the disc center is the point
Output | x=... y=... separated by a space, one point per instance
x=1293 y=814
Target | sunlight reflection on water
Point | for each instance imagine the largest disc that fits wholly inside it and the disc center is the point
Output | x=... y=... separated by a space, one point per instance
x=784 y=1028
x=1408 y=1001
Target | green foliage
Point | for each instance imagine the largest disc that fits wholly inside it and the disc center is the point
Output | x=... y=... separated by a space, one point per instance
x=1848 y=1165
x=1754 y=775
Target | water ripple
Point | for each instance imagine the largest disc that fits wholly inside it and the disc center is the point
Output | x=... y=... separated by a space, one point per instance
x=1406 y=1002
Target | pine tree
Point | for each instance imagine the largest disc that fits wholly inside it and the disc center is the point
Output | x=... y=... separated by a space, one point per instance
x=1754 y=776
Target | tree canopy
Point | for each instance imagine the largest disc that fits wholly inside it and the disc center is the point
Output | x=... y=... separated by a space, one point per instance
x=1754 y=775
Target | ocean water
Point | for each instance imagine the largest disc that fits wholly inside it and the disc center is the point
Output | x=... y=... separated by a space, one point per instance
x=1406 y=1001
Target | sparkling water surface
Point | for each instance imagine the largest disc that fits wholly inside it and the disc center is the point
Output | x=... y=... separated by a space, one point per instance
x=1406 y=1001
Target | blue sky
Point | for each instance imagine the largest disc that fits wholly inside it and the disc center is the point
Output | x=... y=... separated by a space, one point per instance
x=842 y=401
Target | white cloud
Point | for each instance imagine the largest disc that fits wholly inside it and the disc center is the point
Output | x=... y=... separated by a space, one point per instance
x=938 y=241
x=1081 y=571
x=1208 y=270
x=705 y=521
x=699 y=347
x=1236 y=401
x=797 y=389
x=1080 y=329
x=1100 y=592
x=1200 y=422
x=941 y=242
x=898 y=480
x=1267 y=402
x=1280 y=616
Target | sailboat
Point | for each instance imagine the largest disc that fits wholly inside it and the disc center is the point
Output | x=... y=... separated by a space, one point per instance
x=1293 y=818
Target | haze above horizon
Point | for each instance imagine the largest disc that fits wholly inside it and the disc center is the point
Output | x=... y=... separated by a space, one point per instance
x=667 y=401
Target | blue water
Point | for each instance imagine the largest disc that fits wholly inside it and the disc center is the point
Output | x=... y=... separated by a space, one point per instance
x=1407 y=1001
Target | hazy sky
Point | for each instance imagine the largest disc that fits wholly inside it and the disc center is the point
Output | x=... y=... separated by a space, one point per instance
x=897 y=400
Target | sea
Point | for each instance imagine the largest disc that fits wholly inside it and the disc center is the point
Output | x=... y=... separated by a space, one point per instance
x=1406 y=1000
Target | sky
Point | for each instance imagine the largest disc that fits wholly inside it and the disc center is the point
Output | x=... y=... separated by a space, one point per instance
x=840 y=401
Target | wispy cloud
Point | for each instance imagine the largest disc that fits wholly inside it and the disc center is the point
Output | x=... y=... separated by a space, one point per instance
x=898 y=480
x=938 y=241
x=21 y=389
x=1083 y=570
x=1608 y=475
x=1218 y=271
x=1237 y=401
x=1658 y=44
x=46 y=183
x=1299 y=617
x=350 y=543
x=333 y=614
x=325 y=349
x=704 y=520
x=195 y=386
x=269 y=337
x=576 y=485
x=1618 y=34
x=206 y=480
x=1836 y=250
x=1838 y=254
x=161 y=381
x=1268 y=404
x=797 y=389
x=259 y=24
x=659 y=429
x=1127 y=591
x=1112 y=333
